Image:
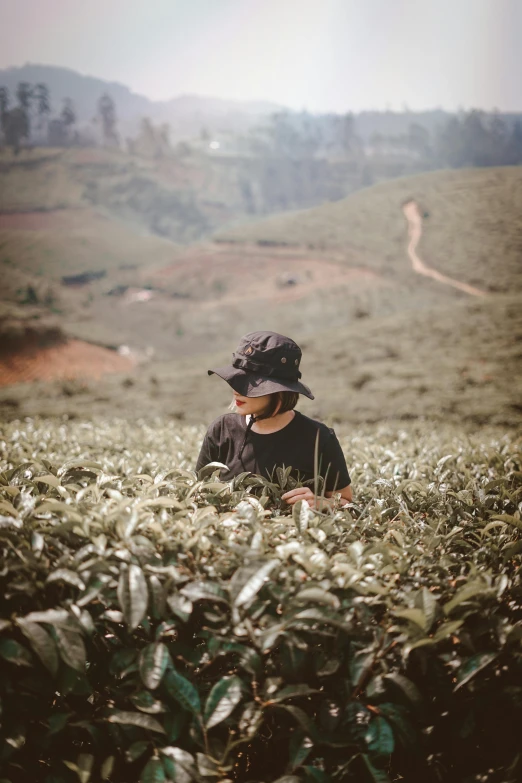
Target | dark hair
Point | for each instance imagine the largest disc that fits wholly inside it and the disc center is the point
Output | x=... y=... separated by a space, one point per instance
x=288 y=400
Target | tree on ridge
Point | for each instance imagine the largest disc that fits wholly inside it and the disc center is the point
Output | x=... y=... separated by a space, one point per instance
x=107 y=113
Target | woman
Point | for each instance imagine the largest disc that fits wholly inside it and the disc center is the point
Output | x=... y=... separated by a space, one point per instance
x=264 y=377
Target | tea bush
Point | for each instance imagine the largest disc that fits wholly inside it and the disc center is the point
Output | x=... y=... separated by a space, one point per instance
x=160 y=626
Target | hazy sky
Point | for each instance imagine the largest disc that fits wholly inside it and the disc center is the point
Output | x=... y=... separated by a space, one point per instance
x=316 y=54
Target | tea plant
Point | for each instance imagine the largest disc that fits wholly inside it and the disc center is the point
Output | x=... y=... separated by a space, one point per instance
x=161 y=626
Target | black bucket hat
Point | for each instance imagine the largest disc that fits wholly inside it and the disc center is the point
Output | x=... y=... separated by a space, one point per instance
x=264 y=363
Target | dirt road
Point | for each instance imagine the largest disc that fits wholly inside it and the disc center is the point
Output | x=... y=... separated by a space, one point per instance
x=413 y=216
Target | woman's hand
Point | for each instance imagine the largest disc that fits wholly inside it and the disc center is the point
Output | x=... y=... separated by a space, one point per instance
x=332 y=500
x=305 y=493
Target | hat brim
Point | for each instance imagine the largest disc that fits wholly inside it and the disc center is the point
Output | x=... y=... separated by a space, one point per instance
x=251 y=385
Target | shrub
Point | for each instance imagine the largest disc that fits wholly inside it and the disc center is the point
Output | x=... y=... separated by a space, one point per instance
x=159 y=626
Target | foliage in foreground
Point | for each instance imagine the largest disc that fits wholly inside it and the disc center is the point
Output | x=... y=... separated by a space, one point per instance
x=157 y=626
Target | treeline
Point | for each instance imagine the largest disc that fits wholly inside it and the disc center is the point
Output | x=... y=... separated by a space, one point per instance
x=31 y=121
x=474 y=138
x=368 y=143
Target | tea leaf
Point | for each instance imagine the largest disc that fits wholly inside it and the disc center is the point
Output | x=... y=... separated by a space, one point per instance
x=133 y=595
x=154 y=659
x=42 y=643
x=183 y=691
x=223 y=698
x=136 y=719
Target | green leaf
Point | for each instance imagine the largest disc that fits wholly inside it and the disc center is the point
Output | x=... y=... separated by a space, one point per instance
x=153 y=771
x=360 y=665
x=222 y=699
x=447 y=629
x=42 y=643
x=133 y=595
x=398 y=716
x=182 y=691
x=301 y=515
x=207 y=470
x=472 y=666
x=427 y=603
x=379 y=737
x=408 y=688
x=48 y=479
x=145 y=702
x=185 y=765
x=254 y=583
x=319 y=596
x=200 y=591
x=251 y=720
x=316 y=775
x=415 y=616
x=49 y=616
x=299 y=749
x=161 y=502
x=467 y=592
x=180 y=606
x=78 y=463
x=373 y=773
x=306 y=723
x=249 y=660
x=57 y=722
x=58 y=507
x=12 y=651
x=154 y=659
x=136 y=750
x=175 y=722
x=65 y=575
x=511 y=520
x=107 y=767
x=292 y=692
x=83 y=767
x=207 y=766
x=136 y=719
x=71 y=647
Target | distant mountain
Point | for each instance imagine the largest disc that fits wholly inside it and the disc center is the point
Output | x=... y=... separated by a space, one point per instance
x=187 y=114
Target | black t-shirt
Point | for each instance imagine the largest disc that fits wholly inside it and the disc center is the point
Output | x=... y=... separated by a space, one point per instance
x=293 y=446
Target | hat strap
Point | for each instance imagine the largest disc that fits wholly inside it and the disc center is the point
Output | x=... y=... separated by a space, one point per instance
x=263 y=369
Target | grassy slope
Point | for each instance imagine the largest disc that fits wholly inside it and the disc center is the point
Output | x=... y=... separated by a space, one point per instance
x=473 y=232
x=76 y=241
x=449 y=364
x=423 y=350
x=457 y=357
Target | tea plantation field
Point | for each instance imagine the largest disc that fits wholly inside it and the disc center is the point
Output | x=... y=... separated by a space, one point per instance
x=161 y=626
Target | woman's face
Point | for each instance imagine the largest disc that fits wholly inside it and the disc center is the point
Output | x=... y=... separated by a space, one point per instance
x=250 y=405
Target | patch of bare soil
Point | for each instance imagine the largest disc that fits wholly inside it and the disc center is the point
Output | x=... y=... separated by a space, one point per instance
x=227 y=274
x=65 y=361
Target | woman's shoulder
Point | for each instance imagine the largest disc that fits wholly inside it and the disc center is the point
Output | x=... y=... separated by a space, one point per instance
x=312 y=425
x=227 y=423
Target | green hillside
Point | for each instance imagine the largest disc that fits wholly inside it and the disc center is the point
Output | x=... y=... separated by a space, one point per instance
x=381 y=342
x=473 y=230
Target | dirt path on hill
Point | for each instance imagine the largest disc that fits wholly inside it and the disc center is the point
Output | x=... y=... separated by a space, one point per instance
x=413 y=216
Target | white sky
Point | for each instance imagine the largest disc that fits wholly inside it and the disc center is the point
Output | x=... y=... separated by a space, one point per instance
x=321 y=55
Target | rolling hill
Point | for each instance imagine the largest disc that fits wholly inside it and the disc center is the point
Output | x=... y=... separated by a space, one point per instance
x=380 y=340
x=472 y=230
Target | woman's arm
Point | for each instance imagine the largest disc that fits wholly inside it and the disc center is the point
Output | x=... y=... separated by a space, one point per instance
x=345 y=493
x=305 y=493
